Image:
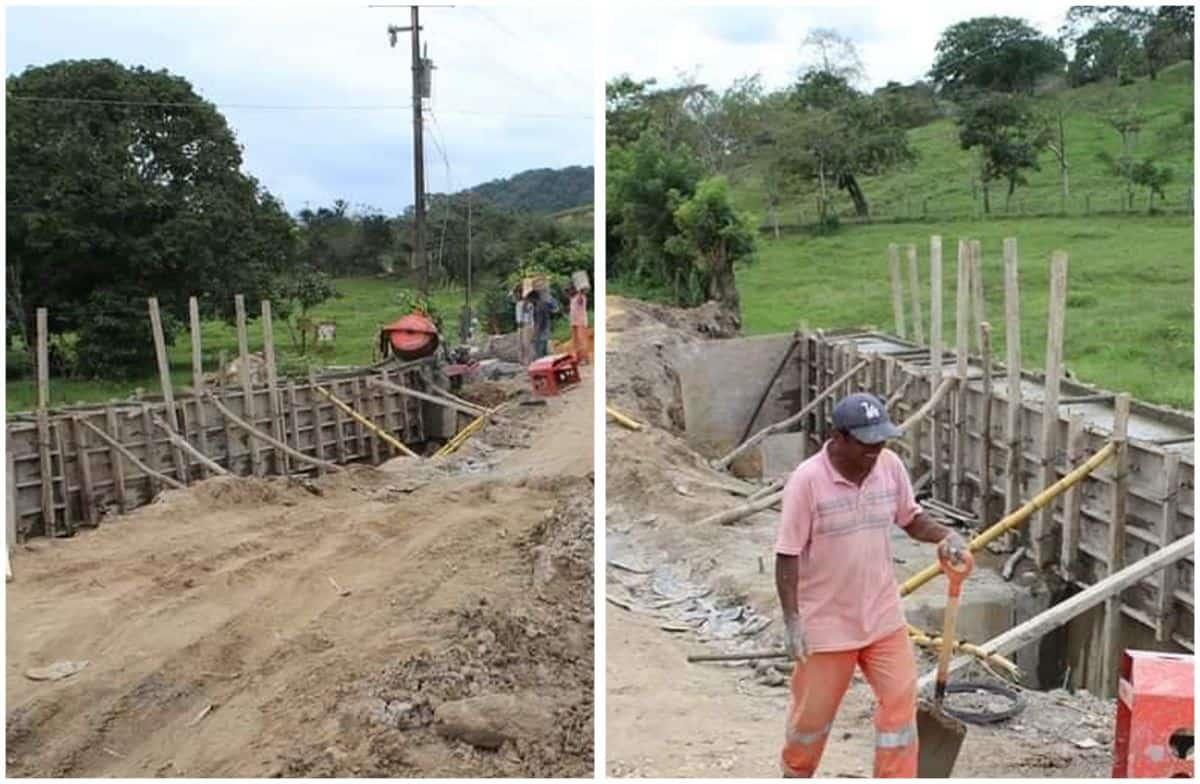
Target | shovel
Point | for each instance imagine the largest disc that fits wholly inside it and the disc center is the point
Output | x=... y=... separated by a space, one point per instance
x=940 y=735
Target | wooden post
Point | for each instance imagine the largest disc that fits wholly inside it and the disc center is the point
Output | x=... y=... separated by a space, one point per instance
x=153 y=485
x=10 y=523
x=280 y=462
x=164 y=380
x=1115 y=554
x=114 y=459
x=364 y=394
x=1165 y=617
x=1072 y=501
x=293 y=417
x=340 y=432
x=805 y=380
x=244 y=376
x=318 y=435
x=962 y=347
x=1012 y=345
x=935 y=305
x=978 y=302
x=985 y=427
x=914 y=283
x=897 y=289
x=913 y=434
x=198 y=380
x=45 y=468
x=64 y=486
x=87 y=496
x=1041 y=529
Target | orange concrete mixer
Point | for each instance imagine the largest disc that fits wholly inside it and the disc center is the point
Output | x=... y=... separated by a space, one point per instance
x=409 y=337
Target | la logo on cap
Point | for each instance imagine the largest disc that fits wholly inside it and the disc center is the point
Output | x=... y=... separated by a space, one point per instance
x=870 y=410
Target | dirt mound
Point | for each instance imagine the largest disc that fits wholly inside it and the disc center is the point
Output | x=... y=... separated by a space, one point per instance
x=510 y=689
x=710 y=320
x=224 y=492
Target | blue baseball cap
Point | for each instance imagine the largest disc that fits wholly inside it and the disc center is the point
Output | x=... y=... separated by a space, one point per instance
x=866 y=417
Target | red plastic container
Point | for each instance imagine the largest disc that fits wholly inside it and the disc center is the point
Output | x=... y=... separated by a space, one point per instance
x=412 y=336
x=1155 y=720
x=549 y=374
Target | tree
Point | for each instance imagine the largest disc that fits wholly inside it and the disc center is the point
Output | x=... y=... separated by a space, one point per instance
x=829 y=52
x=714 y=237
x=304 y=288
x=1128 y=121
x=995 y=54
x=131 y=189
x=1009 y=136
x=1164 y=34
x=1152 y=177
x=1106 y=51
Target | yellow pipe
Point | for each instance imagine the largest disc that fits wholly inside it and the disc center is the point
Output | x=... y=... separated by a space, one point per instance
x=622 y=419
x=1017 y=517
x=365 y=422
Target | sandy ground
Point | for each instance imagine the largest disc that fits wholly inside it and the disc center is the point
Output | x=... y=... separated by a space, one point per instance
x=676 y=587
x=218 y=644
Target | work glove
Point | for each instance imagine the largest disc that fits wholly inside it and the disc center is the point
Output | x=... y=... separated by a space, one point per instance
x=794 y=639
x=952 y=550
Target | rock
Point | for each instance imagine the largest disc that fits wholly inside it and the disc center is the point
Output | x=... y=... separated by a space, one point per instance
x=56 y=671
x=489 y=720
x=772 y=678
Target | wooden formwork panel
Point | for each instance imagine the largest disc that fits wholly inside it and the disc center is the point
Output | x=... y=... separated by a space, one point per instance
x=307 y=422
x=1151 y=521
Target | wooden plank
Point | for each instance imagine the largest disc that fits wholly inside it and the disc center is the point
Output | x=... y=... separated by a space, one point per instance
x=164 y=381
x=280 y=460
x=239 y=303
x=914 y=283
x=366 y=396
x=897 y=289
x=114 y=459
x=1013 y=413
x=1115 y=552
x=293 y=413
x=49 y=517
x=358 y=417
x=318 y=429
x=340 y=431
x=266 y=437
x=10 y=520
x=962 y=348
x=83 y=460
x=978 y=301
x=985 y=428
x=1073 y=500
x=125 y=452
x=1165 y=616
x=1041 y=527
x=935 y=305
x=198 y=380
x=153 y=485
x=64 y=485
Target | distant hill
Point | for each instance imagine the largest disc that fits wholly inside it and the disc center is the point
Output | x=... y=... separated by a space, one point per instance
x=541 y=190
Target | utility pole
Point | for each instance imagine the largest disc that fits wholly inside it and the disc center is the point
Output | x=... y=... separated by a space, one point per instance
x=418 y=93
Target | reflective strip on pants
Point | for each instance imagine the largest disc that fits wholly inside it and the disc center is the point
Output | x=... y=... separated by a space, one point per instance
x=896 y=740
x=807 y=738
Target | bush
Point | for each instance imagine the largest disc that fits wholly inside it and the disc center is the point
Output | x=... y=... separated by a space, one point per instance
x=115 y=340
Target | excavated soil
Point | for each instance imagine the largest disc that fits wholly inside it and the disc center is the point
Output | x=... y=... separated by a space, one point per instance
x=368 y=623
x=675 y=587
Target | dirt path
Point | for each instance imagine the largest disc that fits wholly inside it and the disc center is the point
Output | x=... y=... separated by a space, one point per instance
x=218 y=645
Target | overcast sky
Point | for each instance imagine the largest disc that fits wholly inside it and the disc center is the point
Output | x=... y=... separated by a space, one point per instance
x=716 y=44
x=497 y=67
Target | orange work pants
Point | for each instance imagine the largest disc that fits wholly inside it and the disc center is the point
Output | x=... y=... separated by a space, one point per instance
x=818 y=686
x=579 y=344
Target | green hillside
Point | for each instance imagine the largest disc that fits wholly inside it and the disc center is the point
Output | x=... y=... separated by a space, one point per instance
x=541 y=191
x=939 y=183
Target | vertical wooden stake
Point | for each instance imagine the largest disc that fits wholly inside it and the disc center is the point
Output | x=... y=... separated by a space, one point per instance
x=164 y=379
x=985 y=429
x=11 y=523
x=87 y=496
x=114 y=460
x=293 y=418
x=339 y=423
x=248 y=413
x=280 y=461
x=45 y=467
x=1012 y=345
x=1073 y=500
x=314 y=401
x=1165 y=617
x=1116 y=544
x=915 y=284
x=961 y=367
x=805 y=380
x=1042 y=526
x=935 y=305
x=978 y=302
x=153 y=485
x=897 y=289
x=198 y=381
x=64 y=486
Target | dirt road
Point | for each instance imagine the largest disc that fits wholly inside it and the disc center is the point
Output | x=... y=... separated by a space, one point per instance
x=219 y=644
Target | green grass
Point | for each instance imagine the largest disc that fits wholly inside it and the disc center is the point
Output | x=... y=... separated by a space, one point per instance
x=1130 y=291
x=364 y=305
x=939 y=182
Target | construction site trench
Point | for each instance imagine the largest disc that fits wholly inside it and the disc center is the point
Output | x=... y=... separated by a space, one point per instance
x=676 y=586
x=420 y=617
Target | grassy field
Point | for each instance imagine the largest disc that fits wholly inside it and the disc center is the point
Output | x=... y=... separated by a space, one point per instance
x=940 y=179
x=364 y=305
x=1130 y=308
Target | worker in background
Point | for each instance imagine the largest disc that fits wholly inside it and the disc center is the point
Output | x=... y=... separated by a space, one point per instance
x=838 y=591
x=579 y=322
x=544 y=308
x=524 y=319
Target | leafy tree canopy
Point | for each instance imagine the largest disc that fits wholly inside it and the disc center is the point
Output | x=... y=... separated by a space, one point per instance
x=993 y=53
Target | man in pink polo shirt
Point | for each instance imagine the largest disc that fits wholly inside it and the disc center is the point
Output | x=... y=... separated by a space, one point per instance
x=838 y=591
